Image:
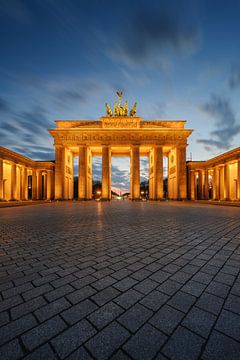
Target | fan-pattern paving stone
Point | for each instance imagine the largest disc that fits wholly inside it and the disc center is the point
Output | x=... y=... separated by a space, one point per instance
x=119 y=280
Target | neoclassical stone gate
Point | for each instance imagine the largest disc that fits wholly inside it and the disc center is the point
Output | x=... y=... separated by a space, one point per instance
x=120 y=135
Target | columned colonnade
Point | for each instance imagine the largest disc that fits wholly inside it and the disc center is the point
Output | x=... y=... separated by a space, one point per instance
x=215 y=179
x=24 y=179
x=64 y=171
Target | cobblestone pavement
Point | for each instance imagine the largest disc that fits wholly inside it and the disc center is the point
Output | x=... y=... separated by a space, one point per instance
x=120 y=280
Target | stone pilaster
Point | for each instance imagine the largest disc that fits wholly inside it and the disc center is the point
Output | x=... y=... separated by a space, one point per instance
x=1 y=180
x=182 y=172
x=82 y=173
x=135 y=173
x=13 y=181
x=106 y=173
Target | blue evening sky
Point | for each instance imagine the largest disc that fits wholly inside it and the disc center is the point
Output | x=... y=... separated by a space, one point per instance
x=63 y=59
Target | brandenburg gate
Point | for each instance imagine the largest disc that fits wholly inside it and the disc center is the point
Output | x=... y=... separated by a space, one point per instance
x=120 y=133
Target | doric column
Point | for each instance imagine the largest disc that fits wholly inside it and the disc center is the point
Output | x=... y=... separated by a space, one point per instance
x=216 y=183
x=13 y=181
x=200 y=184
x=181 y=172
x=226 y=182
x=82 y=173
x=135 y=173
x=59 y=166
x=39 y=185
x=238 y=179
x=206 y=186
x=1 y=180
x=193 y=185
x=34 y=184
x=48 y=182
x=24 y=183
x=158 y=172
x=106 y=173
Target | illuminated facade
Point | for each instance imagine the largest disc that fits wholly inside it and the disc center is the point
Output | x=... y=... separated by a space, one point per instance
x=24 y=179
x=119 y=133
x=215 y=179
x=120 y=136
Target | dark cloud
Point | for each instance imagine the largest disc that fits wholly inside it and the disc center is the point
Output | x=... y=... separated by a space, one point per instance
x=234 y=78
x=225 y=123
x=158 y=33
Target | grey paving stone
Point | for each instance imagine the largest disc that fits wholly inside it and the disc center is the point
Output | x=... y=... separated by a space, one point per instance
x=9 y=303
x=11 y=351
x=182 y=301
x=199 y=321
x=104 y=283
x=194 y=288
x=27 y=307
x=154 y=300
x=160 y=276
x=210 y=303
x=125 y=284
x=16 y=328
x=43 y=353
x=107 y=341
x=121 y=274
x=42 y=333
x=80 y=283
x=40 y=290
x=146 y=286
x=72 y=338
x=120 y=355
x=17 y=290
x=145 y=344
x=218 y=289
x=59 y=292
x=181 y=277
x=221 y=347
x=233 y=304
x=105 y=295
x=80 y=354
x=183 y=344
x=141 y=274
x=135 y=317
x=81 y=294
x=169 y=287
x=167 y=319
x=106 y=314
x=203 y=277
x=49 y=310
x=229 y=324
x=4 y=318
x=63 y=280
x=78 y=312
x=224 y=278
x=129 y=298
